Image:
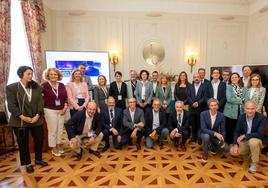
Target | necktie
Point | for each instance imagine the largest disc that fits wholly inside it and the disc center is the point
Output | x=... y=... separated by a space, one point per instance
x=179 y=119
x=112 y=117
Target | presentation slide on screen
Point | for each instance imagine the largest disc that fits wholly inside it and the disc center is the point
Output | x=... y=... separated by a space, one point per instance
x=97 y=63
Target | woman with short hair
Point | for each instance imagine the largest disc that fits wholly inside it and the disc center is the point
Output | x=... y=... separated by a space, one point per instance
x=55 y=106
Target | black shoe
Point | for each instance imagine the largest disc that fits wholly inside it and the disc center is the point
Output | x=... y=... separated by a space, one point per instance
x=41 y=163
x=118 y=146
x=29 y=169
x=183 y=147
x=104 y=149
x=80 y=154
x=138 y=146
x=96 y=153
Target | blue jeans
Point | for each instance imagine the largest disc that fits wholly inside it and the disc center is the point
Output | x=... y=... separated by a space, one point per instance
x=163 y=135
x=213 y=141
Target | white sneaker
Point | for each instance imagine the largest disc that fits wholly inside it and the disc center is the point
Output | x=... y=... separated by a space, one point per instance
x=57 y=154
x=253 y=168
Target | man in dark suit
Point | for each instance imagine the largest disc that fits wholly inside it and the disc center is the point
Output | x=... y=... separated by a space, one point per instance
x=216 y=89
x=155 y=125
x=248 y=135
x=246 y=71
x=112 y=122
x=202 y=73
x=84 y=130
x=154 y=82
x=178 y=123
x=133 y=124
x=196 y=100
x=265 y=139
x=212 y=129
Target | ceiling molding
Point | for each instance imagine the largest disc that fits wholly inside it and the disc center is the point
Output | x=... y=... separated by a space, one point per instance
x=219 y=7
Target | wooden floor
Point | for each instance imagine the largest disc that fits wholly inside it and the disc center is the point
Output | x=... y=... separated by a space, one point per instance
x=168 y=167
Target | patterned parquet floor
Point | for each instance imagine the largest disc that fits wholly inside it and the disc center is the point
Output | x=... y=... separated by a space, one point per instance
x=167 y=168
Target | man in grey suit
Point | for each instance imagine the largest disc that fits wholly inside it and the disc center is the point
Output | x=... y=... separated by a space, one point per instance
x=87 y=79
x=131 y=84
x=133 y=124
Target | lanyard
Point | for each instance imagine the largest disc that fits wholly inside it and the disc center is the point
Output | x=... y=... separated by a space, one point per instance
x=55 y=91
x=105 y=92
x=28 y=93
x=119 y=85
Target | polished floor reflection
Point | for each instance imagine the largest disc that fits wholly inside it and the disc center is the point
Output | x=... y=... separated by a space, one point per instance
x=168 y=167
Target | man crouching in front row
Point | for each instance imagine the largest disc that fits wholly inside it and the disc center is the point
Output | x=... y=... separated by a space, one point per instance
x=248 y=135
x=84 y=130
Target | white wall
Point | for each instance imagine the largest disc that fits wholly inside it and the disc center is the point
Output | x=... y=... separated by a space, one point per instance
x=219 y=42
x=258 y=39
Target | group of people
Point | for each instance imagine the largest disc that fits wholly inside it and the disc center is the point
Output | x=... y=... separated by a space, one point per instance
x=223 y=114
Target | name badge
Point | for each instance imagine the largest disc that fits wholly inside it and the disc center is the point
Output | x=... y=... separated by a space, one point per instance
x=119 y=97
x=57 y=102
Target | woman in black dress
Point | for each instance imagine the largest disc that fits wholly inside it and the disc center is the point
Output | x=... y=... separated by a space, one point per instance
x=180 y=92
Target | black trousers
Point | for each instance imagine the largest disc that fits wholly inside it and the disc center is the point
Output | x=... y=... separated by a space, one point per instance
x=195 y=122
x=185 y=135
x=37 y=134
x=106 y=134
x=230 y=125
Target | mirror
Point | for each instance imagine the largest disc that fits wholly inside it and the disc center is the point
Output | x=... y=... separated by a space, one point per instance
x=153 y=53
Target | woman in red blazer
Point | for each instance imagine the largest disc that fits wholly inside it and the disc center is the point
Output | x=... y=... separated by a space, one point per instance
x=77 y=91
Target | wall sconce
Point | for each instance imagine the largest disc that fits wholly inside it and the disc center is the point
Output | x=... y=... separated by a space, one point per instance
x=191 y=58
x=113 y=55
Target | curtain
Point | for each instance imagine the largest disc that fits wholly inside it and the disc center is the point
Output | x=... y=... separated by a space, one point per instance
x=5 y=49
x=34 y=19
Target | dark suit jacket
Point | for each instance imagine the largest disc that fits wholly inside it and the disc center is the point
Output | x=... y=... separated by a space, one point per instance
x=265 y=103
x=173 y=122
x=127 y=121
x=15 y=95
x=75 y=125
x=219 y=124
x=113 y=91
x=221 y=95
x=117 y=120
x=149 y=121
x=257 y=130
x=200 y=98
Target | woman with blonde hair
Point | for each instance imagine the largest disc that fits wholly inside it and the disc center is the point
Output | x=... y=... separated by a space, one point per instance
x=55 y=106
x=101 y=93
x=256 y=92
x=77 y=91
x=163 y=93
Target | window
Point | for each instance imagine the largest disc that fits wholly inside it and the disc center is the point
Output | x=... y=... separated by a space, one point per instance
x=20 y=53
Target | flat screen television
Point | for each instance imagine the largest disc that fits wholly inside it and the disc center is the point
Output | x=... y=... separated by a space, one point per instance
x=97 y=63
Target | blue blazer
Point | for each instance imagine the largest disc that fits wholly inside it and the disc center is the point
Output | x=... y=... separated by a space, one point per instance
x=117 y=121
x=148 y=92
x=219 y=124
x=221 y=95
x=200 y=98
x=257 y=130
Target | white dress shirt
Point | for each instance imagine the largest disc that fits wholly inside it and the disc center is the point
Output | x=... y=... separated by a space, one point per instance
x=215 y=86
x=156 y=122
